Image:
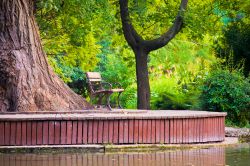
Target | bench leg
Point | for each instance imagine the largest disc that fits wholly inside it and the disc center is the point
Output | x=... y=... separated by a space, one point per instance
x=118 y=98
x=108 y=101
x=100 y=99
x=91 y=99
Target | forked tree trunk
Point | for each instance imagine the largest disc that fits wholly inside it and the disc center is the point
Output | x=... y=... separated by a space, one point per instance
x=27 y=83
x=143 y=47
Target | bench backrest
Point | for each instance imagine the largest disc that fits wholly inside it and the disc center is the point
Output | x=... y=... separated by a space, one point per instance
x=94 y=80
x=93 y=76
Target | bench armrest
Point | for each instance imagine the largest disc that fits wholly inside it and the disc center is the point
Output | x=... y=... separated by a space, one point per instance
x=106 y=85
x=118 y=85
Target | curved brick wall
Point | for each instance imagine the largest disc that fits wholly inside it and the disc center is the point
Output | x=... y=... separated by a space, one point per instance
x=168 y=127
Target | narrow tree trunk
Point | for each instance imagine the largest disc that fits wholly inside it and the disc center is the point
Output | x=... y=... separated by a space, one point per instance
x=136 y=41
x=143 y=88
x=27 y=83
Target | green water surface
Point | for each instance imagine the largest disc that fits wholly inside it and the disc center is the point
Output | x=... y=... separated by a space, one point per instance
x=238 y=156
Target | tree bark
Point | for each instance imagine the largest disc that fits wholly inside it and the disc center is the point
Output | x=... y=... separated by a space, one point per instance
x=27 y=83
x=143 y=47
x=143 y=88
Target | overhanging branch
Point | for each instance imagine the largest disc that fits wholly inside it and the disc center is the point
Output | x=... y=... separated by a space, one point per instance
x=170 y=34
x=132 y=37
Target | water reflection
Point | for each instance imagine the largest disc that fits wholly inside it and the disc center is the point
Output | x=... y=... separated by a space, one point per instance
x=239 y=156
x=204 y=157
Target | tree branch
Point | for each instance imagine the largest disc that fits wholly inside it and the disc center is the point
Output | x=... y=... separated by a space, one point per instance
x=155 y=44
x=132 y=37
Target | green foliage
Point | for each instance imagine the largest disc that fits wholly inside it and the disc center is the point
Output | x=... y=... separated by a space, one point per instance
x=73 y=76
x=151 y=18
x=236 y=40
x=183 y=59
x=169 y=93
x=114 y=69
x=165 y=94
x=81 y=36
x=228 y=92
x=129 y=97
x=235 y=37
x=70 y=33
x=179 y=69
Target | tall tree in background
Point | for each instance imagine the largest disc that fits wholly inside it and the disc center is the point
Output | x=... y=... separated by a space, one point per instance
x=27 y=83
x=234 y=46
x=142 y=48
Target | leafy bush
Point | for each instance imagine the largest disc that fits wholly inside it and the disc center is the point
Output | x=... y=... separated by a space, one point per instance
x=113 y=69
x=179 y=69
x=168 y=94
x=73 y=76
x=236 y=39
x=228 y=92
x=78 y=82
x=129 y=97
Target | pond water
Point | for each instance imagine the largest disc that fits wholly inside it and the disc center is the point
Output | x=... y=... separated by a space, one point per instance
x=238 y=156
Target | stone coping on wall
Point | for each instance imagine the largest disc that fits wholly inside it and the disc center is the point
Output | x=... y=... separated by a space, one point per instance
x=106 y=115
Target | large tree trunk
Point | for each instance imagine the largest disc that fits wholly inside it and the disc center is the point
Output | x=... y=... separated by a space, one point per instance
x=143 y=88
x=27 y=83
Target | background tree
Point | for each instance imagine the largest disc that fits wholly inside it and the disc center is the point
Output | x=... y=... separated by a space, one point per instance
x=234 y=45
x=142 y=48
x=87 y=35
x=27 y=83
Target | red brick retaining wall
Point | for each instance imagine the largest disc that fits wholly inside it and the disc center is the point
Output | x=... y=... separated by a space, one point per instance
x=113 y=129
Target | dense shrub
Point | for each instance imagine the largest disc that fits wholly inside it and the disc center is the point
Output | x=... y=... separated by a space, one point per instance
x=78 y=82
x=236 y=40
x=228 y=92
x=114 y=69
x=129 y=97
x=167 y=94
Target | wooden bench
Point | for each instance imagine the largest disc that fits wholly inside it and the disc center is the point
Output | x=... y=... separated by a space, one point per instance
x=98 y=88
